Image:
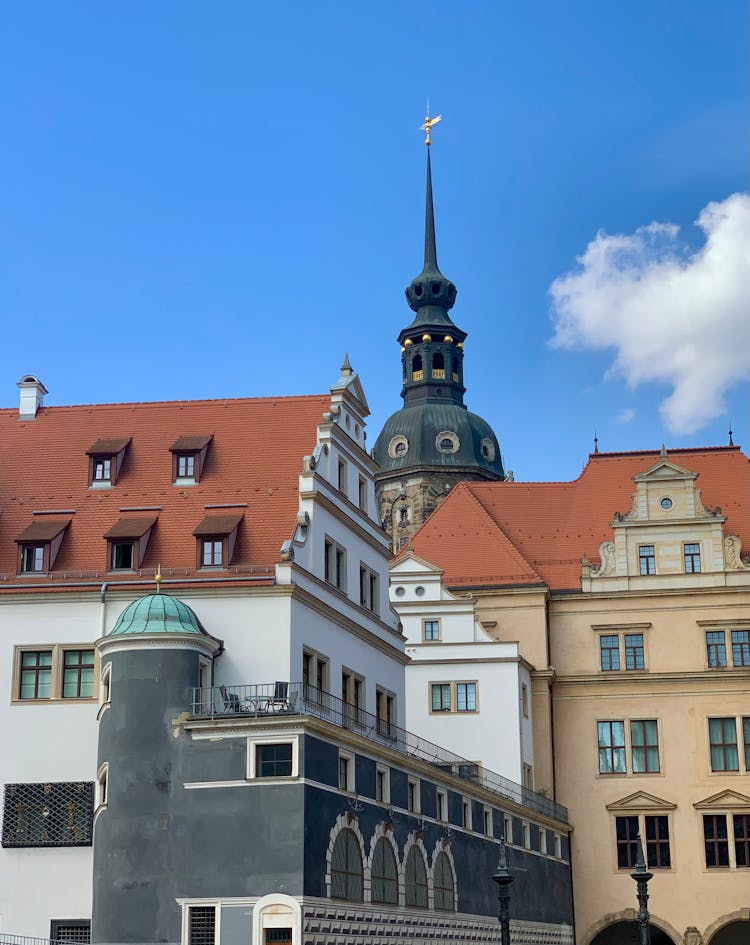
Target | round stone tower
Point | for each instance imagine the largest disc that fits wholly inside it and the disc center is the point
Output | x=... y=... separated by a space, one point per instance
x=155 y=654
x=433 y=441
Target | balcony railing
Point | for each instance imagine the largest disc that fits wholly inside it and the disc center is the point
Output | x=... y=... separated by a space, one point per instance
x=283 y=698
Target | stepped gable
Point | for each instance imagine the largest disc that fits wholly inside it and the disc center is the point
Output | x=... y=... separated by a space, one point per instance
x=470 y=546
x=254 y=457
x=552 y=525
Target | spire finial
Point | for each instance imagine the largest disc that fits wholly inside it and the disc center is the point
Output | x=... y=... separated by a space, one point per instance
x=731 y=441
x=428 y=123
x=663 y=453
x=157 y=579
x=596 y=442
x=346 y=367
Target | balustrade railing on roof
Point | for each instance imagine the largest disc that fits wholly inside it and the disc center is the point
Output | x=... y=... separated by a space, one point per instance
x=285 y=698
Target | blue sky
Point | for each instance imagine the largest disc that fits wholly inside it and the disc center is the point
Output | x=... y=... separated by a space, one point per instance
x=210 y=200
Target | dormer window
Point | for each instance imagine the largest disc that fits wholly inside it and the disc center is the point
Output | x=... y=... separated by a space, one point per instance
x=216 y=537
x=127 y=541
x=39 y=543
x=32 y=558
x=106 y=458
x=188 y=458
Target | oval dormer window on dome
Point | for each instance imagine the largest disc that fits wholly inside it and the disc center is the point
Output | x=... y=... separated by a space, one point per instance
x=447 y=442
x=488 y=449
x=398 y=447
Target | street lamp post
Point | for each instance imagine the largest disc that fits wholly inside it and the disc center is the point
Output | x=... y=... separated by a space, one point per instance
x=641 y=876
x=503 y=879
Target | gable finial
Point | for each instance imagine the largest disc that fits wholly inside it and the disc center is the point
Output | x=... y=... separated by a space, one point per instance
x=663 y=453
x=596 y=442
x=346 y=367
x=731 y=441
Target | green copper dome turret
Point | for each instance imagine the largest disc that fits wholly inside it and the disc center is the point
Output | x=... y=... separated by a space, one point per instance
x=156 y=613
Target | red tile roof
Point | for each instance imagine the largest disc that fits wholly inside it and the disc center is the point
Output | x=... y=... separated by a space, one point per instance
x=504 y=533
x=253 y=464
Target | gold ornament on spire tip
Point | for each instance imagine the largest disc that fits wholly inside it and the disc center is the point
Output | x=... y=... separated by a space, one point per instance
x=157 y=578
x=427 y=126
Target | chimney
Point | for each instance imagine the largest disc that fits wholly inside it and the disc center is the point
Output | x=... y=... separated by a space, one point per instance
x=32 y=396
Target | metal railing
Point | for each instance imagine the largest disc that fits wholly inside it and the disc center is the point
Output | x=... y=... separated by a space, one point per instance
x=285 y=698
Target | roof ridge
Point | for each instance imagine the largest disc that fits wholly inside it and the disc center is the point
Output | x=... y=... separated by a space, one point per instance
x=517 y=552
x=213 y=401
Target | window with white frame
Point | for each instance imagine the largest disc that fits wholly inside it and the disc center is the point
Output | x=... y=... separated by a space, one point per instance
x=526 y=833
x=413 y=796
x=271 y=757
x=466 y=813
x=487 y=815
x=383 y=784
x=102 y=787
x=430 y=630
x=442 y=805
x=346 y=772
x=200 y=925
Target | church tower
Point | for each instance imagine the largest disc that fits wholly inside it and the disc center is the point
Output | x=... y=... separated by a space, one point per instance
x=433 y=442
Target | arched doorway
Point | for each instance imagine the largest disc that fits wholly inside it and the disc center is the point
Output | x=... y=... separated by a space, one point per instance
x=736 y=933
x=626 y=933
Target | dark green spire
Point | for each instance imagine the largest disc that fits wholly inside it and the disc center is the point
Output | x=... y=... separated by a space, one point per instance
x=430 y=249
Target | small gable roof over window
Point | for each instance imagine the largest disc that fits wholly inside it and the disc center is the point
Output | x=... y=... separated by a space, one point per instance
x=43 y=530
x=109 y=446
x=131 y=527
x=219 y=524
x=191 y=444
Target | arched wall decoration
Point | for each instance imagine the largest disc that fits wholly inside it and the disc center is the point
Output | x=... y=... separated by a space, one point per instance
x=443 y=846
x=274 y=911
x=415 y=840
x=727 y=919
x=345 y=822
x=628 y=915
x=384 y=833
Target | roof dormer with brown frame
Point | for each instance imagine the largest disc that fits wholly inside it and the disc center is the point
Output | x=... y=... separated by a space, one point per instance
x=106 y=457
x=216 y=537
x=39 y=543
x=127 y=541
x=189 y=458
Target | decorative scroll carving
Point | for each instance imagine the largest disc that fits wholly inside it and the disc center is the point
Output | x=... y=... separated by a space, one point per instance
x=733 y=554
x=607 y=556
x=700 y=508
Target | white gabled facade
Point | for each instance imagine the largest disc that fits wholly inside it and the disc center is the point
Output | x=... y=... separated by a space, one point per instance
x=464 y=690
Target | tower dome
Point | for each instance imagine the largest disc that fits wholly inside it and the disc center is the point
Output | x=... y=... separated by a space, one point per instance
x=156 y=613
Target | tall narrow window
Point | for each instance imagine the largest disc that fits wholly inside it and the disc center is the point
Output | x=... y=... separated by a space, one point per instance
x=201 y=925
x=341 y=481
x=368 y=588
x=416 y=879
x=692 y=555
x=741 y=839
x=430 y=630
x=609 y=652
x=657 y=842
x=644 y=742
x=716 y=840
x=441 y=697
x=78 y=674
x=741 y=647
x=716 y=648
x=746 y=740
x=525 y=700
x=466 y=697
x=466 y=814
x=442 y=805
x=346 y=867
x=384 y=873
x=362 y=494
x=385 y=705
x=722 y=735
x=413 y=796
x=634 y=658
x=626 y=831
x=334 y=564
x=611 y=747
x=646 y=559
x=442 y=882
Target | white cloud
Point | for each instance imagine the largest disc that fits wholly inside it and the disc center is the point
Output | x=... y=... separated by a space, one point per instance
x=626 y=415
x=672 y=316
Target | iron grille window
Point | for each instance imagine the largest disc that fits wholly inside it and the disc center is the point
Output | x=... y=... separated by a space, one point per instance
x=657 y=842
x=466 y=697
x=48 y=815
x=741 y=647
x=646 y=559
x=78 y=674
x=644 y=742
x=611 y=747
x=384 y=874
x=742 y=839
x=273 y=761
x=416 y=879
x=692 y=555
x=201 y=925
x=716 y=840
x=432 y=629
x=626 y=831
x=634 y=658
x=279 y=936
x=609 y=652
x=36 y=674
x=716 y=648
x=722 y=734
x=443 y=884
x=346 y=867
x=70 y=930
x=441 y=697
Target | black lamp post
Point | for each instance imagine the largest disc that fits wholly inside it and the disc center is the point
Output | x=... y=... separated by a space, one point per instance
x=641 y=876
x=503 y=879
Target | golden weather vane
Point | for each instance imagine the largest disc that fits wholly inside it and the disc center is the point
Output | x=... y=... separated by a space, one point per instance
x=427 y=126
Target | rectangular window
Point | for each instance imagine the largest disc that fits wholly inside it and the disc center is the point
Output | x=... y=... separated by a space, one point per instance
x=466 y=697
x=335 y=564
x=609 y=652
x=212 y=553
x=341 y=481
x=48 y=815
x=741 y=839
x=716 y=840
x=442 y=805
x=611 y=747
x=362 y=494
x=368 y=588
x=634 y=658
x=122 y=555
x=722 y=736
x=273 y=760
x=36 y=674
x=558 y=846
x=487 y=823
x=543 y=841
x=741 y=647
x=644 y=743
x=527 y=774
x=646 y=559
x=70 y=930
x=657 y=843
x=346 y=772
x=746 y=740
x=32 y=559
x=716 y=650
x=626 y=831
x=692 y=555
x=414 y=796
x=441 y=697
x=430 y=630
x=186 y=465
x=385 y=706
x=201 y=925
x=526 y=835
x=524 y=700
x=507 y=828
x=102 y=469
x=383 y=785
x=466 y=814
x=78 y=674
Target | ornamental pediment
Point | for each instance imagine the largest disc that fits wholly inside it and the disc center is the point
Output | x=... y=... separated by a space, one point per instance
x=665 y=469
x=412 y=564
x=723 y=800
x=640 y=801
